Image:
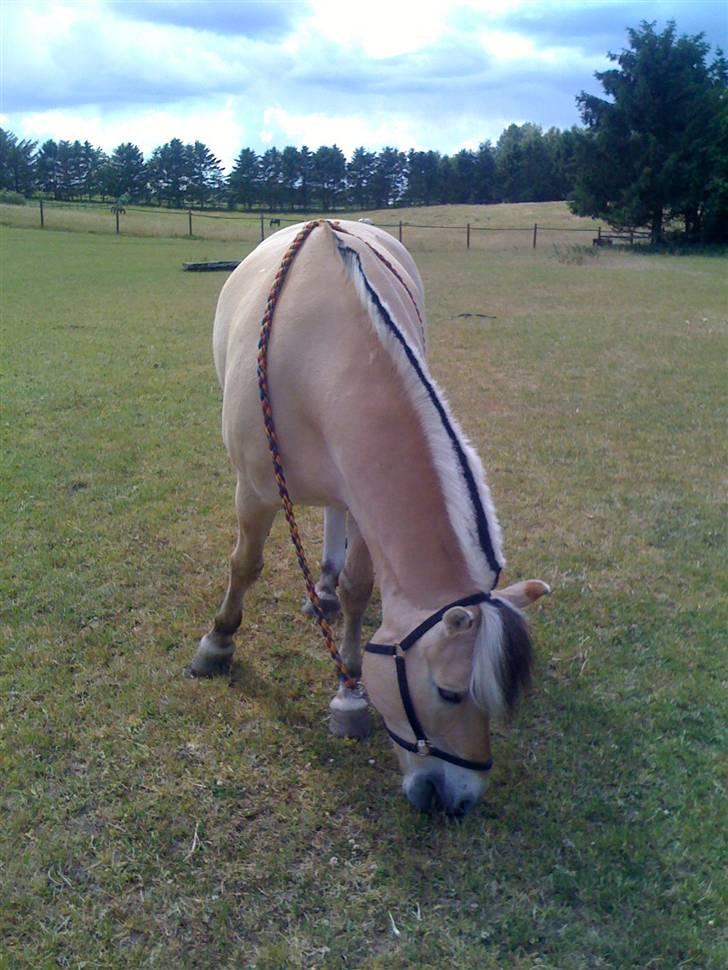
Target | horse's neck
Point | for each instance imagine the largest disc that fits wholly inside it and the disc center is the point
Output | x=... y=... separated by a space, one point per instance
x=396 y=495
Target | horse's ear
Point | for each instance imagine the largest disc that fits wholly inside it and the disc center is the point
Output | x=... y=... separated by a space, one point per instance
x=523 y=594
x=457 y=620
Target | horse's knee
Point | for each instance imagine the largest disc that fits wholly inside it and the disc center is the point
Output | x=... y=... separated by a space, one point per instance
x=354 y=593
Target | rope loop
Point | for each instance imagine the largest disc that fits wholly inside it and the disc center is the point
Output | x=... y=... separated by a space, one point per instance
x=270 y=430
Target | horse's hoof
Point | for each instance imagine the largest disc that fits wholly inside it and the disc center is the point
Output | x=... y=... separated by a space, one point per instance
x=349 y=714
x=329 y=604
x=211 y=658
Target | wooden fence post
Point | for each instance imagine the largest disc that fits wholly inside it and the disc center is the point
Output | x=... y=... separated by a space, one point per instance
x=117 y=222
x=400 y=230
x=189 y=219
x=42 y=219
x=262 y=228
x=468 y=235
x=535 y=232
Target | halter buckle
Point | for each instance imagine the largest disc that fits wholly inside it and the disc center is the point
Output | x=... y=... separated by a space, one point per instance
x=423 y=747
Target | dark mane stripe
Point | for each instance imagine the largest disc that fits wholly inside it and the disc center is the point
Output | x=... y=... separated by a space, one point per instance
x=484 y=537
x=517 y=654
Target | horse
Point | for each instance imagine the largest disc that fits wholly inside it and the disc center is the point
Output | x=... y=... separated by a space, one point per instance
x=363 y=428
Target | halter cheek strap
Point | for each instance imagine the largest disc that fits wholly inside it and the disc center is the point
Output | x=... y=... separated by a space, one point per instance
x=421 y=745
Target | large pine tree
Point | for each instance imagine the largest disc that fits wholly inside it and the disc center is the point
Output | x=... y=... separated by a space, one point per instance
x=656 y=147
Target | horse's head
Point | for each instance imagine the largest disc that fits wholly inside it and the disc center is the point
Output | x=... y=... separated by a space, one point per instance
x=438 y=690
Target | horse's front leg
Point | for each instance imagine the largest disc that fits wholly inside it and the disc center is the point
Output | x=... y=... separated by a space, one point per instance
x=215 y=652
x=349 y=709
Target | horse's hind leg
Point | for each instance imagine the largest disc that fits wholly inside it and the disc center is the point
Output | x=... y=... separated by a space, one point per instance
x=349 y=710
x=215 y=652
x=332 y=562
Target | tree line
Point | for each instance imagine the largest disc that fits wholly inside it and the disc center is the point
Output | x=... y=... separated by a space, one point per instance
x=652 y=153
x=527 y=164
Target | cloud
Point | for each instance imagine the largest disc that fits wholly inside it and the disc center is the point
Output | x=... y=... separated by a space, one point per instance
x=435 y=74
x=260 y=20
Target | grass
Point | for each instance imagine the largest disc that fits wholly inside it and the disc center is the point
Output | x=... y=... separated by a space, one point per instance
x=437 y=228
x=154 y=821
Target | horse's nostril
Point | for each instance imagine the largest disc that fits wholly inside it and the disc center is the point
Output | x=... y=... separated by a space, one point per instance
x=422 y=794
x=460 y=810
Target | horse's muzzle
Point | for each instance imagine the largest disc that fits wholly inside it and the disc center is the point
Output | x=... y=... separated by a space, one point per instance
x=427 y=791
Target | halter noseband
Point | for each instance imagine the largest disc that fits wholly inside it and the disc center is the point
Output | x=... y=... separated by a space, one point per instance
x=421 y=745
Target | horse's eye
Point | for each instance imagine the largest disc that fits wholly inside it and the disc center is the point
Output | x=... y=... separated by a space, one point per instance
x=451 y=696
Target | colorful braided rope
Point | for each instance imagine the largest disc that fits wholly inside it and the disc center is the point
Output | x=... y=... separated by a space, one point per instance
x=265 y=330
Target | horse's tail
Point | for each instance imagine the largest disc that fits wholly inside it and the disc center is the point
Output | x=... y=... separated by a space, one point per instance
x=502 y=658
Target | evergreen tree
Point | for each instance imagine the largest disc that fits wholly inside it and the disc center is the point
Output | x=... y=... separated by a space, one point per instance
x=462 y=188
x=271 y=178
x=243 y=181
x=125 y=173
x=389 y=179
x=305 y=168
x=484 y=174
x=290 y=176
x=169 y=173
x=204 y=172
x=655 y=147
x=423 y=177
x=359 y=175
x=329 y=175
x=17 y=164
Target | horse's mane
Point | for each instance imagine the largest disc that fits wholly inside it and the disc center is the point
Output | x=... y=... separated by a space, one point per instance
x=465 y=490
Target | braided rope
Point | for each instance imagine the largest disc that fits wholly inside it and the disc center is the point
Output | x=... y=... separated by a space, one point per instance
x=265 y=330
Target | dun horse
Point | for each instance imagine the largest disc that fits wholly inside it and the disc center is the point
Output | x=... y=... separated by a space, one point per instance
x=362 y=427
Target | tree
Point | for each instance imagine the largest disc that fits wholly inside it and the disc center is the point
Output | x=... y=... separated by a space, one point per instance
x=329 y=175
x=423 y=177
x=484 y=189
x=243 y=180
x=524 y=166
x=204 y=173
x=271 y=175
x=17 y=164
x=359 y=175
x=125 y=173
x=305 y=167
x=655 y=148
x=169 y=173
x=290 y=175
x=389 y=178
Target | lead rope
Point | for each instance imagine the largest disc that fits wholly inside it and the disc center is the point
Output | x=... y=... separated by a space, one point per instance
x=265 y=329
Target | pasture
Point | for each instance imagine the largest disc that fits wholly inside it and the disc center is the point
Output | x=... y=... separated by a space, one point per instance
x=438 y=228
x=150 y=820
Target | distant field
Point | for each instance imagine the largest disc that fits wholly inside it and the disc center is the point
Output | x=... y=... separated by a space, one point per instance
x=493 y=227
x=154 y=821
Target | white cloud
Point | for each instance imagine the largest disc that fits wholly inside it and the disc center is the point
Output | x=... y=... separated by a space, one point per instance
x=438 y=74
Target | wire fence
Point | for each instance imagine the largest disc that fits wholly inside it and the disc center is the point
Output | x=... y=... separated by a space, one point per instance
x=250 y=228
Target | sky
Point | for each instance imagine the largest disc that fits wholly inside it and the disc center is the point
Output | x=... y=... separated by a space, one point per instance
x=423 y=74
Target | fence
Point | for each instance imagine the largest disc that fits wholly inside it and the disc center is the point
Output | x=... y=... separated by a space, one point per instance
x=251 y=228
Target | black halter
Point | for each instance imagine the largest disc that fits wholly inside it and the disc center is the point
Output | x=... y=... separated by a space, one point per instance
x=421 y=745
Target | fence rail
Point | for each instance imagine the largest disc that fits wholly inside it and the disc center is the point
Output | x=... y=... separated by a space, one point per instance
x=260 y=225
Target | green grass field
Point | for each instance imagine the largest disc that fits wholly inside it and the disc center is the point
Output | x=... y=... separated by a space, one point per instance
x=149 y=820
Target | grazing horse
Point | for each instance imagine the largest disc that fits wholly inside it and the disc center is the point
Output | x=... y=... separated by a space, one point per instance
x=362 y=426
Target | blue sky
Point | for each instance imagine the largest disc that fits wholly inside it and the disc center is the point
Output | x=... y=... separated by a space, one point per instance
x=441 y=74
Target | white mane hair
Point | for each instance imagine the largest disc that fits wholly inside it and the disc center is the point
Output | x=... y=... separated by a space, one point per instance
x=501 y=658
x=459 y=502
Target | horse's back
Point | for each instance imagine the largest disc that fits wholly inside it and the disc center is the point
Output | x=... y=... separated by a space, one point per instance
x=323 y=352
